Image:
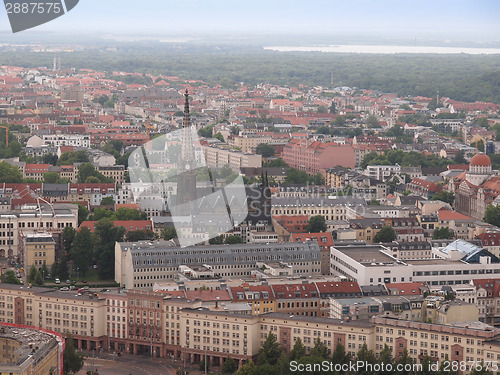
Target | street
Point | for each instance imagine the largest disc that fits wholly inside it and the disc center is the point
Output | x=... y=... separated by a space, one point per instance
x=133 y=365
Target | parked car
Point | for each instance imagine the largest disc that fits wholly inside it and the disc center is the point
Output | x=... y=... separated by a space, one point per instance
x=64 y=289
x=57 y=281
x=68 y=282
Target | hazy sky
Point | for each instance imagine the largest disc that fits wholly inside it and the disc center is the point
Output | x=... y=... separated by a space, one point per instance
x=440 y=19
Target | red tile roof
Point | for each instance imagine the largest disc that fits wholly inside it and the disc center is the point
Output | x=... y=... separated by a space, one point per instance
x=293 y=224
x=208 y=295
x=430 y=186
x=406 y=289
x=338 y=287
x=490 y=239
x=291 y=291
x=258 y=292
x=447 y=215
x=492 y=286
x=36 y=168
x=323 y=239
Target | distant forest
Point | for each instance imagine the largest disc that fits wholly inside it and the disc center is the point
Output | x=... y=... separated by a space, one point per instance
x=461 y=77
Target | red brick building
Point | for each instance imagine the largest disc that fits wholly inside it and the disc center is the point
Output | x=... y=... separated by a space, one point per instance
x=313 y=156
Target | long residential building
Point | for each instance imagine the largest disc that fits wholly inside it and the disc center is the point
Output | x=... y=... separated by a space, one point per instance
x=164 y=324
x=142 y=264
x=330 y=208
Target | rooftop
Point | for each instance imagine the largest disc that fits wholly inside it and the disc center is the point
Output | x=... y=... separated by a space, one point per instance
x=34 y=344
x=367 y=255
x=315 y=319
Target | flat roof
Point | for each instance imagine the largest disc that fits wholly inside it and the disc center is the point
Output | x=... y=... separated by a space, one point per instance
x=436 y=261
x=315 y=319
x=356 y=301
x=367 y=255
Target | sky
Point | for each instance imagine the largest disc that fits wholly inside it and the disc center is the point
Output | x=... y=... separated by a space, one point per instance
x=439 y=19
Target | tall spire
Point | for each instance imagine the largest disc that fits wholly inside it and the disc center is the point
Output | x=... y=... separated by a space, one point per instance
x=186 y=179
x=186 y=123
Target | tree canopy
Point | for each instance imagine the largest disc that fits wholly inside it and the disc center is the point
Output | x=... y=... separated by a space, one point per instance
x=386 y=234
x=316 y=224
x=442 y=233
x=9 y=277
x=72 y=361
x=265 y=149
x=492 y=215
x=10 y=173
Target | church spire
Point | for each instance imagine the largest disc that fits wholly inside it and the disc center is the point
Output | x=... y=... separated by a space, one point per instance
x=186 y=123
x=186 y=179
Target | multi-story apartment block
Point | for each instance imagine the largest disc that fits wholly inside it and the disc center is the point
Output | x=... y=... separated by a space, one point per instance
x=39 y=249
x=300 y=299
x=81 y=315
x=117 y=320
x=491 y=242
x=141 y=264
x=317 y=157
x=68 y=172
x=166 y=324
x=219 y=157
x=92 y=193
x=116 y=172
x=30 y=220
x=329 y=208
x=366 y=229
x=261 y=298
x=75 y=140
x=247 y=143
x=219 y=335
x=145 y=321
x=35 y=171
x=382 y=172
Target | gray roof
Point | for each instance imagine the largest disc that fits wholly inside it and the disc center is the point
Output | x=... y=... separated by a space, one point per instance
x=151 y=254
x=315 y=319
x=318 y=201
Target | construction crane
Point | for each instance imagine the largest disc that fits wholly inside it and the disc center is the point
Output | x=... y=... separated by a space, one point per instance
x=149 y=127
x=6 y=136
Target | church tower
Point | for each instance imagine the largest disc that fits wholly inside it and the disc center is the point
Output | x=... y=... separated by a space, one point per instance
x=186 y=177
